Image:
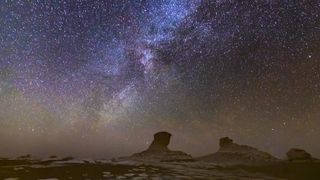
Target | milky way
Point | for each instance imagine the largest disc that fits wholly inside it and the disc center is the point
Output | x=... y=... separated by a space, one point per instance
x=98 y=78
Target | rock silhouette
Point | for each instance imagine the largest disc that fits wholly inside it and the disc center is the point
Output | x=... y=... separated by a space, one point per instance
x=160 y=142
x=296 y=154
x=231 y=161
x=159 y=151
x=225 y=141
x=233 y=153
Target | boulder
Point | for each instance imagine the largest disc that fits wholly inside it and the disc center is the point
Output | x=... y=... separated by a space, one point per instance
x=296 y=154
x=159 y=151
x=233 y=153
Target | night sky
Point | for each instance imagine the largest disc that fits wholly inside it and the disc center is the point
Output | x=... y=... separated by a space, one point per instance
x=98 y=78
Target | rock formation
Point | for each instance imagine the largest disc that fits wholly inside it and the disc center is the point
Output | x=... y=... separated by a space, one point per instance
x=296 y=154
x=233 y=153
x=160 y=141
x=159 y=151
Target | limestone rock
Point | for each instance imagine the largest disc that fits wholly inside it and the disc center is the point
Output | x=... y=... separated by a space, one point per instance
x=296 y=154
x=160 y=142
x=225 y=141
x=159 y=151
x=233 y=153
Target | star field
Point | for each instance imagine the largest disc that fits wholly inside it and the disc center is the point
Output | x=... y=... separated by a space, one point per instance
x=97 y=78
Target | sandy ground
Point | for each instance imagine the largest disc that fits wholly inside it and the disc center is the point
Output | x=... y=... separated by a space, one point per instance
x=52 y=169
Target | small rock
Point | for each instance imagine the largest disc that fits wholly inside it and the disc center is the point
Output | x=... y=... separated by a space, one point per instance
x=143 y=175
x=129 y=174
x=18 y=168
x=121 y=177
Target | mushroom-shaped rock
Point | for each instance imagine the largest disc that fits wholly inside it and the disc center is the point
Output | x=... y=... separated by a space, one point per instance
x=159 y=151
x=233 y=153
x=225 y=141
x=160 y=142
x=296 y=154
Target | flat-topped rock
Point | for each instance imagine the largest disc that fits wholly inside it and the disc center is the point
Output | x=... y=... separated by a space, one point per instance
x=159 y=151
x=233 y=153
x=296 y=154
x=160 y=142
x=225 y=141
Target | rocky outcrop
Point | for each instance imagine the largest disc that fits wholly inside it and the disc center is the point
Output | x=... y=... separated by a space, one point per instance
x=296 y=154
x=233 y=153
x=160 y=141
x=159 y=151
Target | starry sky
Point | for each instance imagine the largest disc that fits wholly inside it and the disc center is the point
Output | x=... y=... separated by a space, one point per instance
x=98 y=78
